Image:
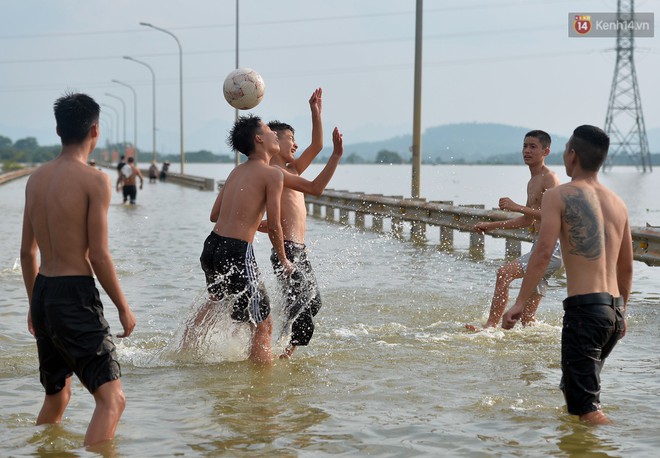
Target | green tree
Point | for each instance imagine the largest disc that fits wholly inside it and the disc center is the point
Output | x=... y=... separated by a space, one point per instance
x=5 y=142
x=354 y=158
x=27 y=144
x=388 y=157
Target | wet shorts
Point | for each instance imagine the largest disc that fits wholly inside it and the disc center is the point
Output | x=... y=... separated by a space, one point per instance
x=553 y=266
x=593 y=323
x=129 y=191
x=303 y=299
x=231 y=270
x=72 y=334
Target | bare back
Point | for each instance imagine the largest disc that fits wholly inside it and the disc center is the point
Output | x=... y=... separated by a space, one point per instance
x=241 y=204
x=594 y=231
x=65 y=201
x=131 y=179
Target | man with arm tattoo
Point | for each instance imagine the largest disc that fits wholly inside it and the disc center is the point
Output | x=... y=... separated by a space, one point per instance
x=592 y=225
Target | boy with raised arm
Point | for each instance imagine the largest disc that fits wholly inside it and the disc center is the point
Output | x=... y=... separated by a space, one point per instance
x=536 y=147
x=65 y=221
x=228 y=257
x=592 y=224
x=303 y=299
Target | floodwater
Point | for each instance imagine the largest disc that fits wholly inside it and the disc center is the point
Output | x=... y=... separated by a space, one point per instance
x=391 y=370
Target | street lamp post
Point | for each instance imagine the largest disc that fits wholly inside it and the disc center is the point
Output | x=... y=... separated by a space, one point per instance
x=123 y=105
x=237 y=158
x=134 y=115
x=109 y=124
x=153 y=80
x=116 y=119
x=146 y=24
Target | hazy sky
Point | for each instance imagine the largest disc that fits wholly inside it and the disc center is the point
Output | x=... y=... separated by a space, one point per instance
x=508 y=62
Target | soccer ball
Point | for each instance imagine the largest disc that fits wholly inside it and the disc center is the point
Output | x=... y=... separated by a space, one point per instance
x=244 y=88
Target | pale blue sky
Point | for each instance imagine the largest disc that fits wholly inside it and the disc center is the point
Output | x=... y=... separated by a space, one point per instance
x=498 y=61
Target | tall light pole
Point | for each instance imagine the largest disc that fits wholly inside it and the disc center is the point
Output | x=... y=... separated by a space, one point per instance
x=123 y=106
x=146 y=24
x=417 y=106
x=109 y=128
x=153 y=97
x=134 y=116
x=114 y=110
x=237 y=159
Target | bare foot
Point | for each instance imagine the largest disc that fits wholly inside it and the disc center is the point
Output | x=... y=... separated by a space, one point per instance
x=596 y=418
x=288 y=351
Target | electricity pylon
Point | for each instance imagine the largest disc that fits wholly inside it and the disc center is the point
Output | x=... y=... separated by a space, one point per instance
x=624 y=122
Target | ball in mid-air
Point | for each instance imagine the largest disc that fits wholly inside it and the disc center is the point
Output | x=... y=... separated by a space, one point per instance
x=244 y=88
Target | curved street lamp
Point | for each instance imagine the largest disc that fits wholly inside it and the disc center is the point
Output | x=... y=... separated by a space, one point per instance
x=134 y=115
x=153 y=80
x=146 y=24
x=116 y=119
x=123 y=106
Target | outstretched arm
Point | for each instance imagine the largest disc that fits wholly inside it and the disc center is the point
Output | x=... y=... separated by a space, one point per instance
x=315 y=147
x=538 y=261
x=514 y=223
x=317 y=186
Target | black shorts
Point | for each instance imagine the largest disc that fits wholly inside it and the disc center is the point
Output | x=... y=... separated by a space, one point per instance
x=72 y=334
x=593 y=323
x=129 y=191
x=231 y=270
x=303 y=299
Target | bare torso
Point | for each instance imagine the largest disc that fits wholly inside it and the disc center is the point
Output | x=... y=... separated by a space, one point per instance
x=594 y=222
x=242 y=200
x=537 y=185
x=130 y=179
x=294 y=213
x=57 y=200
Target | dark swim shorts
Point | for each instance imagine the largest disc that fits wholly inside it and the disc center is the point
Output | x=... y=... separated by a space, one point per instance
x=129 y=191
x=303 y=299
x=231 y=270
x=72 y=334
x=593 y=323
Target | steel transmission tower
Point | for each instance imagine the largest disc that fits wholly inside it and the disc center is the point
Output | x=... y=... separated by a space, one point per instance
x=624 y=122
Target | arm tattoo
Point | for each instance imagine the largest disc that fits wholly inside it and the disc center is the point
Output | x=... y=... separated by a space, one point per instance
x=585 y=229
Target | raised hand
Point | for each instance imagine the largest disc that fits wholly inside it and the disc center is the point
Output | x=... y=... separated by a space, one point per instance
x=316 y=101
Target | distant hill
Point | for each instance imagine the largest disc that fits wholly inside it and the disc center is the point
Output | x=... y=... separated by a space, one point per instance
x=468 y=142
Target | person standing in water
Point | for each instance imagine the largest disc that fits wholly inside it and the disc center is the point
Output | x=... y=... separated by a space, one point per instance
x=592 y=224
x=64 y=244
x=536 y=147
x=303 y=299
x=228 y=257
x=130 y=173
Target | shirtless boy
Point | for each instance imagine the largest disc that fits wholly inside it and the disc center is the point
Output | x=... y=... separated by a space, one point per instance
x=592 y=224
x=536 y=147
x=128 y=176
x=228 y=258
x=65 y=222
x=303 y=299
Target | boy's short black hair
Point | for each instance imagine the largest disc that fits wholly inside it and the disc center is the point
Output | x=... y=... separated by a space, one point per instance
x=75 y=114
x=591 y=144
x=241 y=136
